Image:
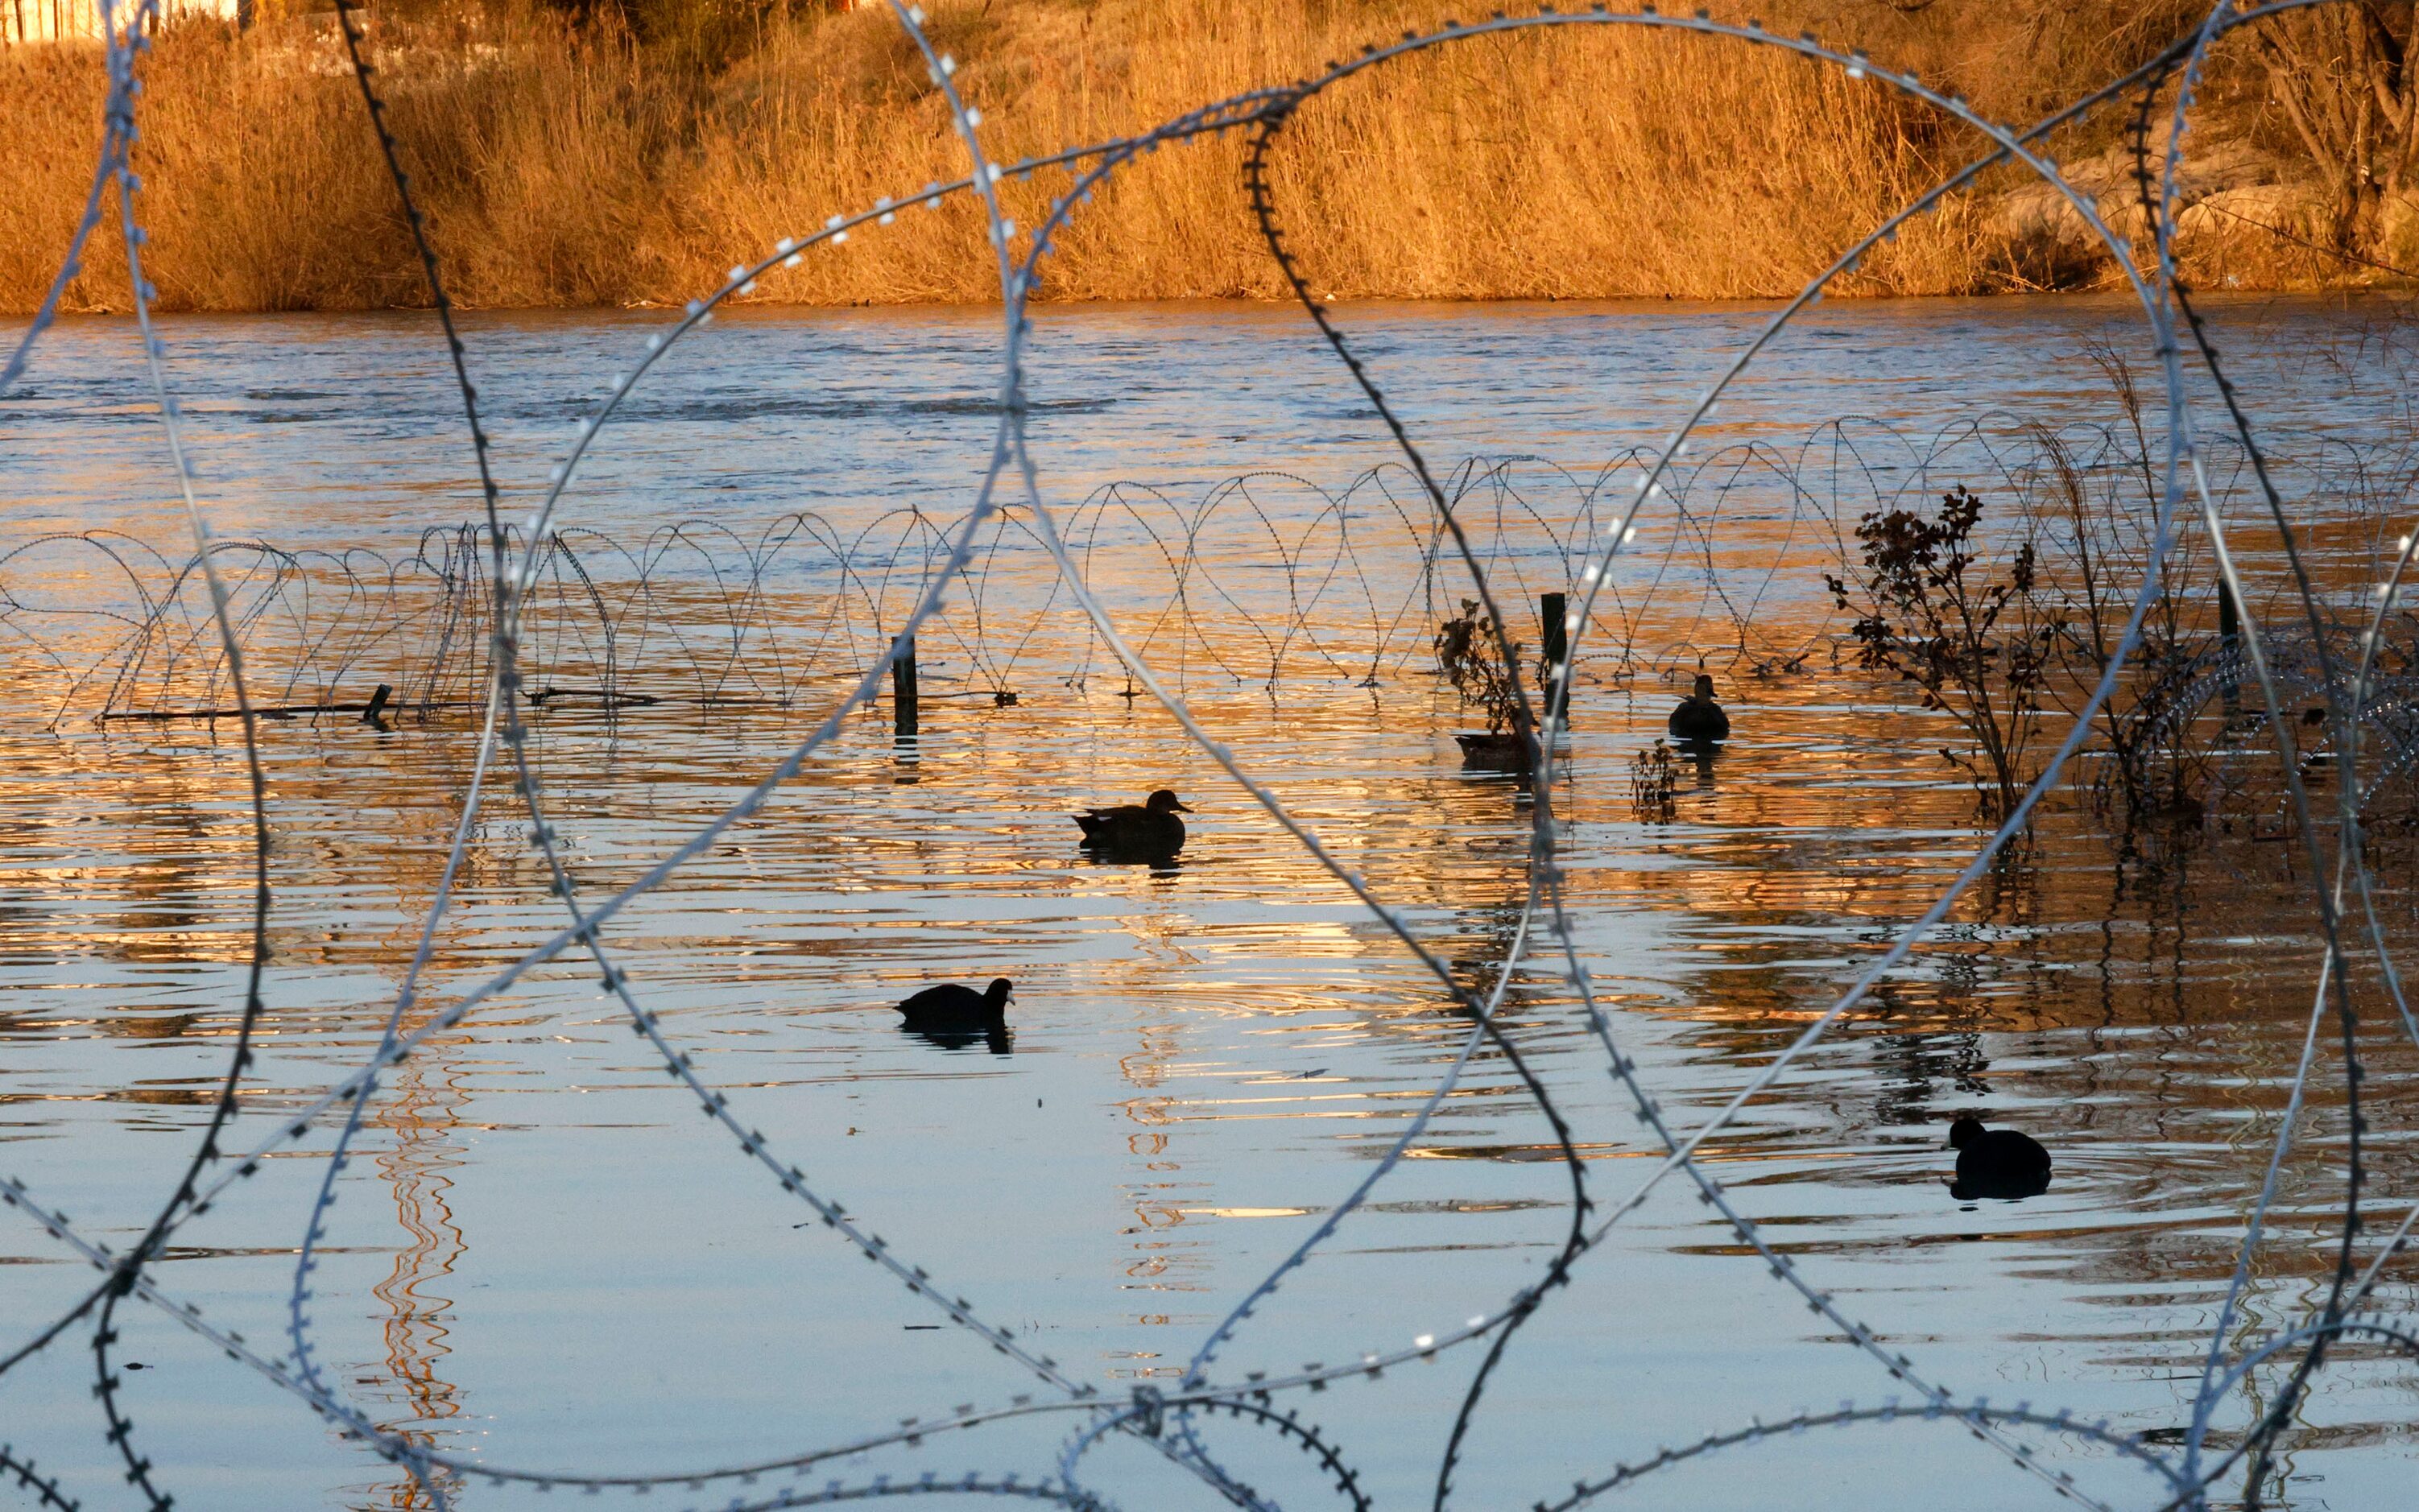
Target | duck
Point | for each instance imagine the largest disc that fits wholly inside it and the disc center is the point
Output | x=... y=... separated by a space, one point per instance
x=1149 y=827
x=951 y=1009
x=1699 y=717
x=1996 y=1163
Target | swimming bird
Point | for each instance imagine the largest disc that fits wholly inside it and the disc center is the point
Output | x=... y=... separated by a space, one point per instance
x=1699 y=717
x=1149 y=828
x=951 y=1009
x=1996 y=1163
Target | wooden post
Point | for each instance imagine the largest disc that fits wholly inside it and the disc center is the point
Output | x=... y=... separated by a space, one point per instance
x=1553 y=609
x=370 y=715
x=902 y=691
x=2229 y=638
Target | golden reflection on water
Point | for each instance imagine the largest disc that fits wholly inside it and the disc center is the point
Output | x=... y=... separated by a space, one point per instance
x=2140 y=1009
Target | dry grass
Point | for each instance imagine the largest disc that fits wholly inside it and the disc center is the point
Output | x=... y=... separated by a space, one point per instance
x=562 y=168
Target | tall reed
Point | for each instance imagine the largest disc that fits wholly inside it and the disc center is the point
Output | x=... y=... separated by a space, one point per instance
x=575 y=165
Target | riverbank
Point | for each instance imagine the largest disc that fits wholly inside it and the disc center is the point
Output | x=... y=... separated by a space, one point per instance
x=632 y=164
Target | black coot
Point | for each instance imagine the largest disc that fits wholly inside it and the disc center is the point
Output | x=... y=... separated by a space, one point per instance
x=951 y=1009
x=1996 y=1163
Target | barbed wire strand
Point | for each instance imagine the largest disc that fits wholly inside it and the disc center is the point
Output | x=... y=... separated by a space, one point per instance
x=1270 y=109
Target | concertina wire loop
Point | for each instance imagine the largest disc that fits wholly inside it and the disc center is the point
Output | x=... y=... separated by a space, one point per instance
x=1263 y=114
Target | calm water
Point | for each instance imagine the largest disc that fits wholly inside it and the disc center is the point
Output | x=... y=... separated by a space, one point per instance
x=544 y=1258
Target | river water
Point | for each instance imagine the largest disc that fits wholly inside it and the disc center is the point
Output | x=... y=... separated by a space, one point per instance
x=541 y=1257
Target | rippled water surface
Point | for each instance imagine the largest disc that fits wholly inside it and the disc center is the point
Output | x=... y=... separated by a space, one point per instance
x=542 y=1256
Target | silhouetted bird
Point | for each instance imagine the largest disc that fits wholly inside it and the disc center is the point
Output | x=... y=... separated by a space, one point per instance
x=1699 y=717
x=951 y=1009
x=1149 y=828
x=1996 y=1163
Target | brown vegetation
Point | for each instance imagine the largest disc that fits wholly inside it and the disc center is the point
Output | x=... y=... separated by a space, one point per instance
x=630 y=153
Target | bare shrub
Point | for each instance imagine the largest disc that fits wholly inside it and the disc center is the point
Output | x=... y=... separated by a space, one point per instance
x=1977 y=644
x=1473 y=662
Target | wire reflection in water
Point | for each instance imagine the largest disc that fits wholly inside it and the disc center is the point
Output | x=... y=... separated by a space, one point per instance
x=422 y=1120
